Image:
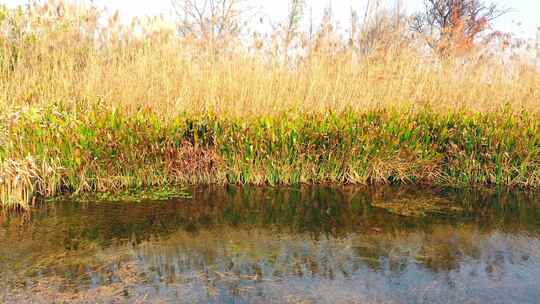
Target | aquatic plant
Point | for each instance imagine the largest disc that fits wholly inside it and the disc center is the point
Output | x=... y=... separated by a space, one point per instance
x=109 y=151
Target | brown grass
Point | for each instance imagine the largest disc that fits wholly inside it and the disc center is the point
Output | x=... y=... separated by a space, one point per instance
x=21 y=179
x=190 y=161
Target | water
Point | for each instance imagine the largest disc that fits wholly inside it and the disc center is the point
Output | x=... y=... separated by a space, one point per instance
x=287 y=245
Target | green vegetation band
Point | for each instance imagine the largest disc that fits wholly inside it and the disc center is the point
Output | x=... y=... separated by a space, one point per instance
x=51 y=151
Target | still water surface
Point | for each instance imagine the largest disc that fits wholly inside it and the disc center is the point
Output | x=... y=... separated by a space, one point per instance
x=279 y=245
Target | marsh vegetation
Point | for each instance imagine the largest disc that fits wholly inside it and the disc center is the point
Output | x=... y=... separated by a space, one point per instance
x=90 y=103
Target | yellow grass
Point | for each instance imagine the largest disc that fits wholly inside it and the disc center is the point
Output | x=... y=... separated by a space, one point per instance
x=73 y=59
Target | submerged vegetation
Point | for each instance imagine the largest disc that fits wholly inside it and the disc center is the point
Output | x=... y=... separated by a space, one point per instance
x=94 y=105
x=130 y=195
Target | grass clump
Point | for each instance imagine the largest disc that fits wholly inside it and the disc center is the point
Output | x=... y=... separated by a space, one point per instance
x=94 y=105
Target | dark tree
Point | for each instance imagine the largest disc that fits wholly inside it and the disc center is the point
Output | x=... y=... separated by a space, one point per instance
x=455 y=25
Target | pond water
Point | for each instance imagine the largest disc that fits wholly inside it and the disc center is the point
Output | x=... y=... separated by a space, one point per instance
x=278 y=245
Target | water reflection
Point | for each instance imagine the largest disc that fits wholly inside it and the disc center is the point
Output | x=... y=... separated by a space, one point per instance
x=298 y=245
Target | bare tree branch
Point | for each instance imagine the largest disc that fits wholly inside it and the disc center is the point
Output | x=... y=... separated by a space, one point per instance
x=209 y=19
x=447 y=24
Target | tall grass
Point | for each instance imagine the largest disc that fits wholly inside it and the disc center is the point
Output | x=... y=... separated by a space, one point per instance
x=91 y=104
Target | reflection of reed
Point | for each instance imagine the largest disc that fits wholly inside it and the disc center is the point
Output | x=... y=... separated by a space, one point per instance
x=251 y=242
x=244 y=251
x=251 y=262
x=245 y=260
